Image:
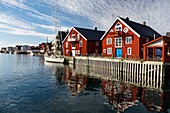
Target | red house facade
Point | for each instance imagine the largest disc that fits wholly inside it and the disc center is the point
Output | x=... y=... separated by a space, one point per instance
x=124 y=39
x=82 y=41
x=157 y=50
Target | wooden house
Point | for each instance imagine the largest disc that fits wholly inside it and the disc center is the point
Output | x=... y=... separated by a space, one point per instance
x=45 y=47
x=157 y=50
x=124 y=39
x=81 y=41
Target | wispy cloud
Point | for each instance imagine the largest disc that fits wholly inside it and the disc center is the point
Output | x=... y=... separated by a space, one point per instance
x=101 y=12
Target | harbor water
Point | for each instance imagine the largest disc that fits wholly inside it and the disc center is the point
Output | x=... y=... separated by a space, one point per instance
x=30 y=85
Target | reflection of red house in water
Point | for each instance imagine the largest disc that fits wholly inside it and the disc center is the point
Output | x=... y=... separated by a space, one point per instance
x=157 y=50
x=76 y=82
x=120 y=97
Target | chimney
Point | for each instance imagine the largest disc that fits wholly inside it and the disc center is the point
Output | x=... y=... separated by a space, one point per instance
x=168 y=34
x=95 y=28
x=127 y=18
x=144 y=23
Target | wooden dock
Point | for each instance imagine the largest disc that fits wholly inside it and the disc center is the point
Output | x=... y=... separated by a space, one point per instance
x=144 y=73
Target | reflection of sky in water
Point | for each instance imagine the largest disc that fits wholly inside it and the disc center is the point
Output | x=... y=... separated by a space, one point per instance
x=28 y=84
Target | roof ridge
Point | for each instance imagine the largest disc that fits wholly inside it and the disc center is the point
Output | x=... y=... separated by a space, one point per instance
x=89 y=29
x=135 y=22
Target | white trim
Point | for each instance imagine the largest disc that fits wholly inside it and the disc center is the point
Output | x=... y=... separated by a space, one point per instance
x=70 y=32
x=129 y=37
x=111 y=51
x=107 y=41
x=118 y=27
x=123 y=23
x=128 y=51
x=118 y=42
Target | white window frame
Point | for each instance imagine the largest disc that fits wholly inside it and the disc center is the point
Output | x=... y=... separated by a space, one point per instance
x=125 y=29
x=111 y=30
x=108 y=41
x=127 y=39
x=108 y=51
x=66 y=44
x=73 y=47
x=81 y=43
x=78 y=37
x=118 y=27
x=118 y=42
x=104 y=50
x=73 y=35
x=97 y=43
x=129 y=48
x=66 y=51
x=96 y=51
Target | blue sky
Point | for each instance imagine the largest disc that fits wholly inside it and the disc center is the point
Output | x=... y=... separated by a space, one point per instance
x=32 y=21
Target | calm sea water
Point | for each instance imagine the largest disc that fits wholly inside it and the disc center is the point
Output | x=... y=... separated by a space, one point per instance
x=30 y=85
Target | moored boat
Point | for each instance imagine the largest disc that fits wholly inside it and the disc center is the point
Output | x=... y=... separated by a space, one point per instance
x=54 y=59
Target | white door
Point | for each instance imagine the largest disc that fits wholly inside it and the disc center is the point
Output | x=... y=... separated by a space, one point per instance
x=73 y=52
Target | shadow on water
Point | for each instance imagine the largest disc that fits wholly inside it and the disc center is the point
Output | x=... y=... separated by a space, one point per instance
x=119 y=95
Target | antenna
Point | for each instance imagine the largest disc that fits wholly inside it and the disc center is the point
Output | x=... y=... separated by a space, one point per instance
x=56 y=17
x=47 y=39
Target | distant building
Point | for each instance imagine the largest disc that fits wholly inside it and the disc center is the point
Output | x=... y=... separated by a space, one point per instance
x=10 y=49
x=81 y=41
x=57 y=47
x=3 y=49
x=45 y=47
x=125 y=39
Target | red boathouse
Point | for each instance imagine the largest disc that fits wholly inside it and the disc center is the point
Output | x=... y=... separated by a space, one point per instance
x=157 y=50
x=81 y=41
x=124 y=39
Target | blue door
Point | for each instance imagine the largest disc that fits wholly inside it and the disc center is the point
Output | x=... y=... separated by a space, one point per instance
x=118 y=52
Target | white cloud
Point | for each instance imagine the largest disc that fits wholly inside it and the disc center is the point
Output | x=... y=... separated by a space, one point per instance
x=100 y=12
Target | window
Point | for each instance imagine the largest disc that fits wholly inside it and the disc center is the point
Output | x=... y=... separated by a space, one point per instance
x=129 y=50
x=125 y=29
x=118 y=27
x=73 y=46
x=104 y=50
x=128 y=40
x=66 y=44
x=147 y=39
x=66 y=51
x=81 y=44
x=78 y=37
x=111 y=30
x=73 y=35
x=109 y=41
x=118 y=42
x=97 y=43
x=78 y=52
x=109 y=50
x=96 y=51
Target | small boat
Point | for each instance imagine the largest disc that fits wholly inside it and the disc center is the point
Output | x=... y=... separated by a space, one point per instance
x=54 y=59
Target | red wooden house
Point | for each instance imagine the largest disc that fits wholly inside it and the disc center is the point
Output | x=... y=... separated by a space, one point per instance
x=81 y=41
x=157 y=50
x=124 y=39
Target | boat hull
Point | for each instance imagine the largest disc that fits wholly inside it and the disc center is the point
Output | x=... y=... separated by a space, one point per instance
x=54 y=60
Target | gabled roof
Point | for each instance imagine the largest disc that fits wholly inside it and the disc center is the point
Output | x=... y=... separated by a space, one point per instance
x=88 y=34
x=137 y=28
x=167 y=39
